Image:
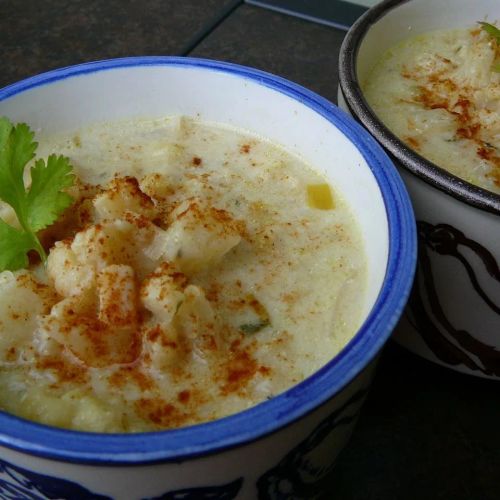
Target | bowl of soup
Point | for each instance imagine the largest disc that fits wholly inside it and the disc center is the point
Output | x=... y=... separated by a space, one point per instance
x=201 y=312
x=423 y=78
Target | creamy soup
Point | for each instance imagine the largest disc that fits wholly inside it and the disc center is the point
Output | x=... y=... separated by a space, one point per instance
x=440 y=93
x=200 y=271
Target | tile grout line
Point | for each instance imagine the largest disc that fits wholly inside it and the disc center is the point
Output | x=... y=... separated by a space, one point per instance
x=209 y=27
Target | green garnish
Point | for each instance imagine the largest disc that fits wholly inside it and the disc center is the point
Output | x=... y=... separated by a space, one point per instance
x=36 y=207
x=495 y=33
x=254 y=327
x=491 y=30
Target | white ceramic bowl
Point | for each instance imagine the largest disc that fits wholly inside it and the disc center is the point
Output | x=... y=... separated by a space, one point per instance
x=282 y=446
x=453 y=315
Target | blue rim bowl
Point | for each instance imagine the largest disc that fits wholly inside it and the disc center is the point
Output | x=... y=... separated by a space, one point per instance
x=270 y=416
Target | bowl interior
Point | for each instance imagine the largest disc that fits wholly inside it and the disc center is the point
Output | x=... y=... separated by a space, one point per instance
x=278 y=110
x=149 y=91
x=382 y=27
x=418 y=16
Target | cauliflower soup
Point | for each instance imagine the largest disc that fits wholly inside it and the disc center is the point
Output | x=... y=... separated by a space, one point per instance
x=439 y=92
x=200 y=270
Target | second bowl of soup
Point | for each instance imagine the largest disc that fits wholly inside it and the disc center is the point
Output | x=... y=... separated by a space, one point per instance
x=423 y=77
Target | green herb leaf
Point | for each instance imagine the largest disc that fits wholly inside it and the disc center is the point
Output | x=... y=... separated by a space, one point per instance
x=45 y=200
x=14 y=247
x=495 y=33
x=16 y=149
x=35 y=208
x=253 y=327
x=491 y=30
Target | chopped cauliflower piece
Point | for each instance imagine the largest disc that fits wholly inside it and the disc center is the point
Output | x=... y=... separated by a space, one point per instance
x=68 y=275
x=156 y=186
x=117 y=296
x=164 y=346
x=196 y=320
x=55 y=329
x=117 y=242
x=199 y=236
x=161 y=293
x=123 y=194
x=19 y=305
x=75 y=325
x=98 y=328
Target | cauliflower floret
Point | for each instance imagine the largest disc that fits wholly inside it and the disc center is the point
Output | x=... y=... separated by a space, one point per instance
x=21 y=302
x=199 y=237
x=164 y=347
x=155 y=248
x=98 y=329
x=117 y=296
x=157 y=186
x=196 y=321
x=118 y=242
x=191 y=334
x=55 y=329
x=68 y=275
x=477 y=55
x=99 y=269
x=183 y=321
x=123 y=195
x=161 y=293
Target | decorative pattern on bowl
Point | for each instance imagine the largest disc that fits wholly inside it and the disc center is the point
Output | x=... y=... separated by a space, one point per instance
x=302 y=472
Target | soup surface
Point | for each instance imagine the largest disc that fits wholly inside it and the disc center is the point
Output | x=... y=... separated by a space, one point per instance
x=440 y=93
x=200 y=271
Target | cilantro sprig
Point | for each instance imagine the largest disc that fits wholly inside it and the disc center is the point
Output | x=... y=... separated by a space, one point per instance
x=495 y=33
x=36 y=207
x=491 y=30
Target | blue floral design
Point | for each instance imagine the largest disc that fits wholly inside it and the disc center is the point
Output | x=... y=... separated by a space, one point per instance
x=17 y=483
x=301 y=474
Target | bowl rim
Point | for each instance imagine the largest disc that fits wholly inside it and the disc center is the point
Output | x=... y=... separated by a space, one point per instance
x=270 y=416
x=416 y=164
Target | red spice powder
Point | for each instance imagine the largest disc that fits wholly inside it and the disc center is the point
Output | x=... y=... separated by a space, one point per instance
x=184 y=396
x=65 y=370
x=412 y=142
x=239 y=370
x=131 y=374
x=159 y=412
